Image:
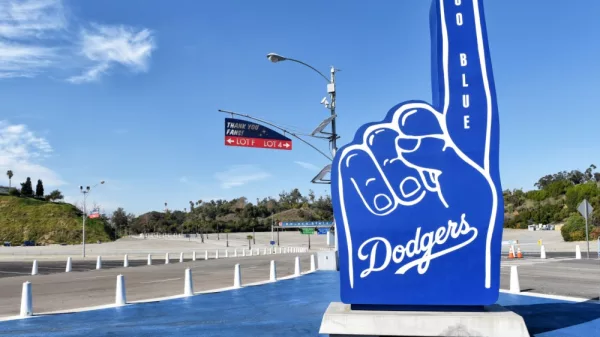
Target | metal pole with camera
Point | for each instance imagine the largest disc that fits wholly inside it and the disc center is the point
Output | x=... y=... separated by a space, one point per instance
x=85 y=191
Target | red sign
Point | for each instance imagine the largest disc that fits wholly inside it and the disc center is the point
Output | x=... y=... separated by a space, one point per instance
x=94 y=215
x=258 y=142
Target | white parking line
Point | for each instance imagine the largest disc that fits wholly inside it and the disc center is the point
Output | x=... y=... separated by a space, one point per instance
x=14 y=272
x=166 y=280
x=92 y=278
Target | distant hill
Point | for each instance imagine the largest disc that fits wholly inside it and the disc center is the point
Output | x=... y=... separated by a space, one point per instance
x=46 y=222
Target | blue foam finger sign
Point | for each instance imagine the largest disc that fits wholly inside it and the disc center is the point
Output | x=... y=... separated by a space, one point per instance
x=417 y=196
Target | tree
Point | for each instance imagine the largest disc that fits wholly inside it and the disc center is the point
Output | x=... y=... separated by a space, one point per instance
x=39 y=189
x=26 y=188
x=120 y=220
x=10 y=174
x=55 y=195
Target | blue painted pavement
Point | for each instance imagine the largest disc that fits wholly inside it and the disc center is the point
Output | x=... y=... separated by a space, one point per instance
x=287 y=308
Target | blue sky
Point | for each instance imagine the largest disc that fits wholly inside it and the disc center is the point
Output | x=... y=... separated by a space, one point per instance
x=128 y=91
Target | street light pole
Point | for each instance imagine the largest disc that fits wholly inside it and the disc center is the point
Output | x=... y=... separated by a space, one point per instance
x=85 y=192
x=332 y=95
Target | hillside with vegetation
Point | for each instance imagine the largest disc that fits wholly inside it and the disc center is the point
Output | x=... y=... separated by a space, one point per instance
x=29 y=219
x=555 y=201
x=236 y=215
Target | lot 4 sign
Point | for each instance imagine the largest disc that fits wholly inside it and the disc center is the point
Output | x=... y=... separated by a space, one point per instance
x=247 y=134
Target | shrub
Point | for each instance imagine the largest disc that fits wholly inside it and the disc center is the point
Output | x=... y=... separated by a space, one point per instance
x=14 y=192
x=574 y=228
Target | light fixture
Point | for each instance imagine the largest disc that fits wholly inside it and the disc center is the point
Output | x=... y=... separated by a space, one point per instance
x=323 y=125
x=320 y=178
x=275 y=57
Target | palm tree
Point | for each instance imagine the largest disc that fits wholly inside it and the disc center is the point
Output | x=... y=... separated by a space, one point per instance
x=10 y=174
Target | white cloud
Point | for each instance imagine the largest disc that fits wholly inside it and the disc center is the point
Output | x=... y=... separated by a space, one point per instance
x=240 y=175
x=184 y=180
x=31 y=18
x=26 y=30
x=23 y=152
x=106 y=46
x=36 y=37
x=307 y=166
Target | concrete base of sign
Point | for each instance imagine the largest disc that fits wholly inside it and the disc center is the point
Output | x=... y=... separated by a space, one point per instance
x=493 y=321
x=328 y=260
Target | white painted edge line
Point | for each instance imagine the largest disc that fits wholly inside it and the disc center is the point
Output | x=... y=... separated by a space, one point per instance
x=553 y=297
x=160 y=281
x=160 y=299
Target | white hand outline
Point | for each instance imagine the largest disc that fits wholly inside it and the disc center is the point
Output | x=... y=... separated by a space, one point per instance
x=405 y=111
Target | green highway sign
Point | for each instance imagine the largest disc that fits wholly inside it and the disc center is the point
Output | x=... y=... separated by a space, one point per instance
x=307 y=230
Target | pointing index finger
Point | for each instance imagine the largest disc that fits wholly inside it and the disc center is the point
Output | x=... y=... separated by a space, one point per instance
x=462 y=75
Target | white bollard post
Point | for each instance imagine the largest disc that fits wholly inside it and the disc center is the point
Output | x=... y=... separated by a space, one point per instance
x=216 y=254
x=250 y=252
x=180 y=257
x=34 y=268
x=312 y=263
x=126 y=261
x=99 y=262
x=257 y=251
x=542 y=252
x=149 y=259
x=273 y=272
x=243 y=251
x=167 y=258
x=206 y=255
x=577 y=252
x=270 y=250
x=69 y=265
x=188 y=288
x=26 y=300
x=297 y=267
x=515 y=287
x=194 y=256
x=265 y=251
x=226 y=253
x=120 y=297
x=237 y=277
x=235 y=252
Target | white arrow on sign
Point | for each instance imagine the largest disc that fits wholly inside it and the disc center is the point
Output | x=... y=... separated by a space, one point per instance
x=286 y=145
x=585 y=209
x=230 y=140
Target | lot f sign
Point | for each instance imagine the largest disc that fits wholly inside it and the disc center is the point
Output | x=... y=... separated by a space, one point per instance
x=417 y=196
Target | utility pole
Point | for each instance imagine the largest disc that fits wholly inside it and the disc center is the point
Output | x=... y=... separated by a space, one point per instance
x=332 y=94
x=85 y=193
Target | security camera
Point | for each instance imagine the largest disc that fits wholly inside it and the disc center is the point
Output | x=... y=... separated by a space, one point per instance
x=324 y=101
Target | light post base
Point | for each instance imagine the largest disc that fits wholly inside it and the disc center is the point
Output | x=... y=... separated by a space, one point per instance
x=328 y=260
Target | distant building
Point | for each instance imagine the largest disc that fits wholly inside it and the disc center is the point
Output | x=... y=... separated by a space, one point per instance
x=3 y=190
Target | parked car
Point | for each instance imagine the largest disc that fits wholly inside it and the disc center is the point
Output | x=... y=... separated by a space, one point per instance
x=7 y=244
x=28 y=243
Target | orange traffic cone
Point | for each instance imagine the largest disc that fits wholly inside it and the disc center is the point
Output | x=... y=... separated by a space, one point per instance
x=519 y=254
x=511 y=254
